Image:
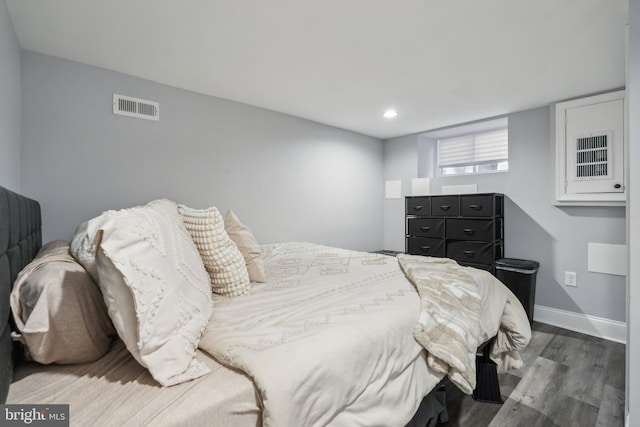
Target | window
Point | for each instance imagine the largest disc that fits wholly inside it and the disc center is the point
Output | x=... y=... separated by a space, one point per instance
x=480 y=152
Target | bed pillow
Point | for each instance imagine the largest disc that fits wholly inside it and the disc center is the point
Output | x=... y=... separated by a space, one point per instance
x=222 y=258
x=82 y=250
x=54 y=247
x=59 y=311
x=155 y=287
x=248 y=246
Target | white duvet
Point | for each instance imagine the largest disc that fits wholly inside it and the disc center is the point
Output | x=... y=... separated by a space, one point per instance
x=328 y=340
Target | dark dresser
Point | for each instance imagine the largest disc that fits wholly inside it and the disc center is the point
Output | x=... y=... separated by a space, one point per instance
x=468 y=228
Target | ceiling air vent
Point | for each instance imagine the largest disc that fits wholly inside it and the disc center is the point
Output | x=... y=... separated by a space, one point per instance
x=136 y=107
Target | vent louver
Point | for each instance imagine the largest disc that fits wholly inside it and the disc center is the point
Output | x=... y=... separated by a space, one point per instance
x=593 y=154
x=135 y=107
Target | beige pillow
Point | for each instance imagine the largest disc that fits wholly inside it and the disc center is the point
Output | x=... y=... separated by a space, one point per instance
x=54 y=247
x=221 y=257
x=155 y=287
x=59 y=310
x=248 y=246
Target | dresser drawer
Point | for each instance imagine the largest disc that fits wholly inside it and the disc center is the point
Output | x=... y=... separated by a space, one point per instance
x=480 y=205
x=425 y=227
x=470 y=252
x=445 y=206
x=470 y=229
x=418 y=206
x=425 y=246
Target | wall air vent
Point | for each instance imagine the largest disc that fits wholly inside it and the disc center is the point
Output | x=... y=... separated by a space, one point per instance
x=135 y=107
x=593 y=153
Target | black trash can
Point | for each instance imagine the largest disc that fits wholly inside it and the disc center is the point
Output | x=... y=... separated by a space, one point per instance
x=519 y=275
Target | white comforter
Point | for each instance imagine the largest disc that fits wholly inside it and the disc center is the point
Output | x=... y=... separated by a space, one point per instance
x=328 y=340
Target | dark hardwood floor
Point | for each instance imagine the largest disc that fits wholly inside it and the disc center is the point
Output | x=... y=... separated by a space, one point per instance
x=568 y=379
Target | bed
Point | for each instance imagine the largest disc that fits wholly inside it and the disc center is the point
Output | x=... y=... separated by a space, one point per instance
x=272 y=356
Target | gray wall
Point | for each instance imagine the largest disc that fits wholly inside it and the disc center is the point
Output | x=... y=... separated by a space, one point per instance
x=287 y=178
x=633 y=209
x=399 y=163
x=534 y=228
x=9 y=103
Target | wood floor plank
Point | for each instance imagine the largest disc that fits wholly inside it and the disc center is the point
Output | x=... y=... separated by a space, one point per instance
x=586 y=358
x=611 y=412
x=567 y=411
x=515 y=414
x=538 y=388
x=615 y=369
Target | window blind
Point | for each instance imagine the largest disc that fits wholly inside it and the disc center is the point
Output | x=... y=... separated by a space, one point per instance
x=479 y=148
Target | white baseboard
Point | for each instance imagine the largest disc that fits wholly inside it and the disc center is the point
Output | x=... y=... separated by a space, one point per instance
x=590 y=325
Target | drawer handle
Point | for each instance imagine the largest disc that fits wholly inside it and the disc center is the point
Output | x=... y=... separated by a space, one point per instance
x=470 y=231
x=425 y=229
x=425 y=248
x=445 y=207
x=475 y=207
x=470 y=254
x=418 y=208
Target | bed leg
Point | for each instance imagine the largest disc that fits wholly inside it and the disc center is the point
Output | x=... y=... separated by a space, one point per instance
x=487 y=386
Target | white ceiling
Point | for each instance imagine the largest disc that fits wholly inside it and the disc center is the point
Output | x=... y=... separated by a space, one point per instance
x=344 y=62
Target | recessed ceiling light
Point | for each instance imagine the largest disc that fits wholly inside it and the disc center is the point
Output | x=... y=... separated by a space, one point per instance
x=389 y=114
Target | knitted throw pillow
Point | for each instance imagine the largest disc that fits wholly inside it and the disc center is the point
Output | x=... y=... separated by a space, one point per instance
x=221 y=257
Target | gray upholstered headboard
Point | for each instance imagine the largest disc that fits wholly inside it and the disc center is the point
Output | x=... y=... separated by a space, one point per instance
x=20 y=240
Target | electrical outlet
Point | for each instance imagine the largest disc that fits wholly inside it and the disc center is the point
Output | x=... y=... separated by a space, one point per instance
x=570 y=278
